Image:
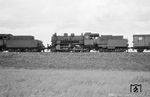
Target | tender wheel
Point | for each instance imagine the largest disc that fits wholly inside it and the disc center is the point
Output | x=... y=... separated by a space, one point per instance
x=140 y=50
x=53 y=50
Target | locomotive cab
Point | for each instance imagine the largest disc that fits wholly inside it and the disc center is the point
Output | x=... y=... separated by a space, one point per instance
x=3 y=39
x=89 y=40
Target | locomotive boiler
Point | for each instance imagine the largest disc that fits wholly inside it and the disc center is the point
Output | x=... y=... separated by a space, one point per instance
x=67 y=43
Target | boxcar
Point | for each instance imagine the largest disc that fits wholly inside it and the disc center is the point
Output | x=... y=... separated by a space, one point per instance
x=141 y=42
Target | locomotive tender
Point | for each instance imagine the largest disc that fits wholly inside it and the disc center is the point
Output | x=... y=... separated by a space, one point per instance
x=11 y=43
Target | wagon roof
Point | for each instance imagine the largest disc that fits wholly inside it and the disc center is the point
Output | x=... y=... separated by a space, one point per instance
x=141 y=35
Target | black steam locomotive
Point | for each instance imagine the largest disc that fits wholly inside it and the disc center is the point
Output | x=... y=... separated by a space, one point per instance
x=87 y=42
x=11 y=43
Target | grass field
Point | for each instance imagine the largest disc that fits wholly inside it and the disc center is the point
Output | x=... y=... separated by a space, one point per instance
x=73 y=74
x=104 y=61
x=72 y=83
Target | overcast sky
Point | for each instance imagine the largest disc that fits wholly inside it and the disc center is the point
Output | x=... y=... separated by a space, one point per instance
x=42 y=18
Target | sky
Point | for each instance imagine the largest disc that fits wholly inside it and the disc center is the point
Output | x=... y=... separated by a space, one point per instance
x=42 y=18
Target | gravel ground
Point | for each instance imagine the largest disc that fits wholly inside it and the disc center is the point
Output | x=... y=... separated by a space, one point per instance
x=104 y=61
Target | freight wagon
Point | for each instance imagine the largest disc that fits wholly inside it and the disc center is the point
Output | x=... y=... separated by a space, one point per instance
x=141 y=42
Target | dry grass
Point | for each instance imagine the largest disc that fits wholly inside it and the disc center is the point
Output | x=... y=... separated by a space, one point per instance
x=107 y=61
x=71 y=83
x=73 y=74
